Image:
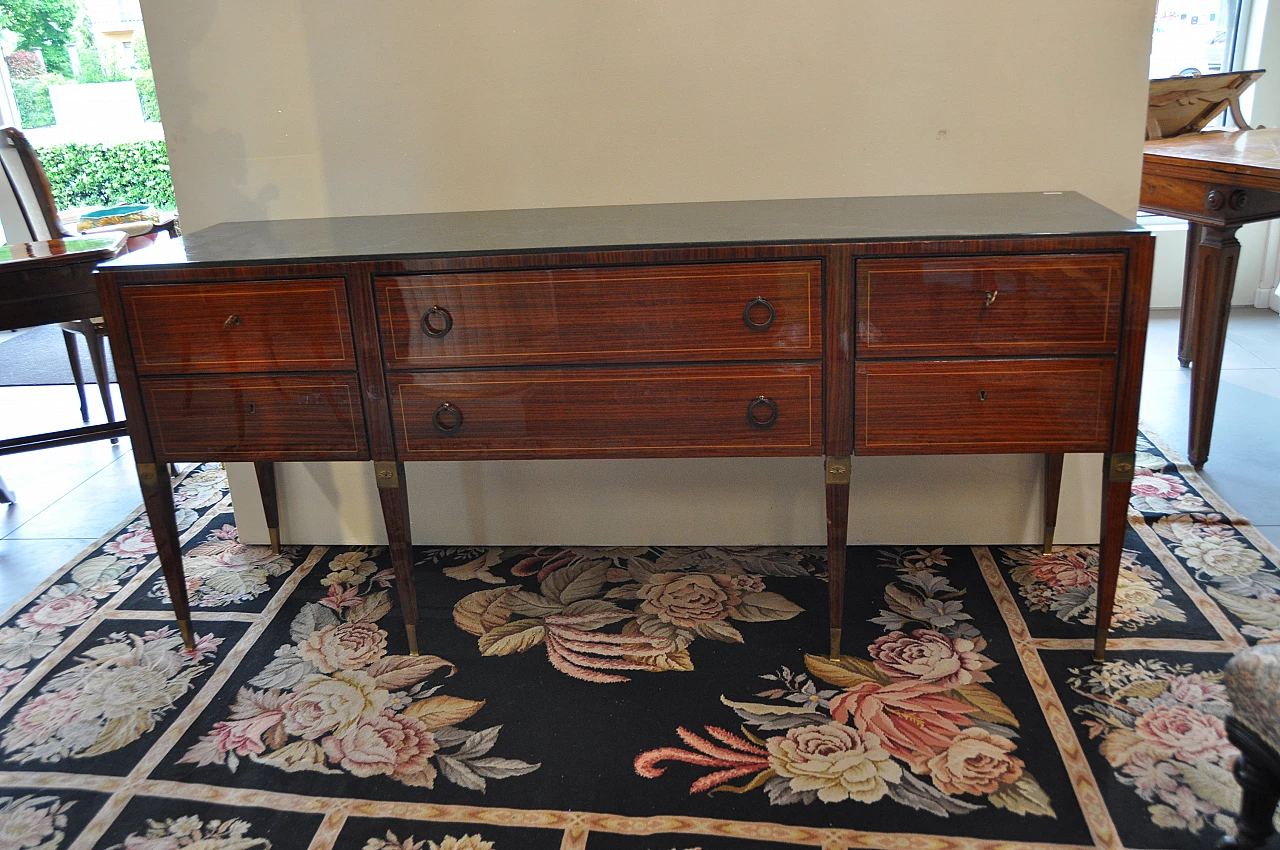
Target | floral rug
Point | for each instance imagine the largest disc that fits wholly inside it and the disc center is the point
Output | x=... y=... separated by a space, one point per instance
x=646 y=698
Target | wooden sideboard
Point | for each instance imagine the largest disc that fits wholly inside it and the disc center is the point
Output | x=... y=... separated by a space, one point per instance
x=822 y=327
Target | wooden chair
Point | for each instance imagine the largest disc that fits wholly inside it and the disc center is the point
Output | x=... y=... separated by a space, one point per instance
x=32 y=216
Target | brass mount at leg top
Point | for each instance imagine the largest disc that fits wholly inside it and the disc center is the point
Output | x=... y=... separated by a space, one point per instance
x=385 y=473
x=838 y=470
x=148 y=476
x=1121 y=467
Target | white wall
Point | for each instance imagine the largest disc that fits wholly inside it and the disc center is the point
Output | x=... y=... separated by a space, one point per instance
x=327 y=108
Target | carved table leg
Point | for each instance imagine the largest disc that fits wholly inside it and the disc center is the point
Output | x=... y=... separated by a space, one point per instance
x=157 y=495
x=1117 y=484
x=837 y=544
x=395 y=512
x=266 y=472
x=1052 y=490
x=1216 y=256
x=1187 y=318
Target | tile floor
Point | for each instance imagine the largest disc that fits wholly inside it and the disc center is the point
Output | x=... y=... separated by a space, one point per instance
x=68 y=497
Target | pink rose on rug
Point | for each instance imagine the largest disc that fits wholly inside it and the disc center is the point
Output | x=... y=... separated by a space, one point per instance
x=243 y=737
x=1194 y=690
x=40 y=718
x=1183 y=732
x=977 y=762
x=930 y=656
x=386 y=745
x=1064 y=569
x=132 y=545
x=54 y=615
x=687 y=599
x=913 y=721
x=1157 y=485
x=347 y=646
x=9 y=678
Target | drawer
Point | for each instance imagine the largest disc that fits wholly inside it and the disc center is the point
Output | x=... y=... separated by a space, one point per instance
x=720 y=311
x=607 y=412
x=258 y=326
x=946 y=407
x=977 y=306
x=252 y=417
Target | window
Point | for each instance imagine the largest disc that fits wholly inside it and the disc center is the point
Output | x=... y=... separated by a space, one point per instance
x=1195 y=37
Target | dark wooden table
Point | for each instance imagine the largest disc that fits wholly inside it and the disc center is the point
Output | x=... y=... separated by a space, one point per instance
x=1217 y=182
x=46 y=282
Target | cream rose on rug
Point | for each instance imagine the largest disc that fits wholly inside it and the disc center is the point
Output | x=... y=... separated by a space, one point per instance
x=838 y=762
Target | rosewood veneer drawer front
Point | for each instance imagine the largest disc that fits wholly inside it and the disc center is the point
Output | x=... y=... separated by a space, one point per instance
x=632 y=412
x=295 y=417
x=258 y=326
x=721 y=311
x=974 y=306
x=947 y=407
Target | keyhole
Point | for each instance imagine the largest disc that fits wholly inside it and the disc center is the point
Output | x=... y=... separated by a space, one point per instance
x=253 y=408
x=982 y=395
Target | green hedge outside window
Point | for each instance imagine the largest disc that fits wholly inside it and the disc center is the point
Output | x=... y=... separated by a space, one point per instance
x=107 y=175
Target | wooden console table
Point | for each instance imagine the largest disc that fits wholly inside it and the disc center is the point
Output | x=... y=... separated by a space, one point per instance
x=1216 y=181
x=824 y=327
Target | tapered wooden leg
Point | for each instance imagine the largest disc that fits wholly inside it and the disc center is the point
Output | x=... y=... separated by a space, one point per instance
x=1052 y=490
x=1187 y=318
x=1117 y=484
x=1216 y=257
x=6 y=495
x=395 y=512
x=157 y=496
x=73 y=354
x=98 y=356
x=837 y=544
x=266 y=472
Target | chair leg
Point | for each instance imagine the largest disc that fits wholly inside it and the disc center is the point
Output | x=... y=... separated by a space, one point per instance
x=73 y=354
x=6 y=495
x=1260 y=791
x=98 y=354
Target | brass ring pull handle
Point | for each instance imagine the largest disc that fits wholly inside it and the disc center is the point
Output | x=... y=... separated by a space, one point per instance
x=231 y=321
x=433 y=330
x=766 y=403
x=752 y=323
x=447 y=419
x=989 y=297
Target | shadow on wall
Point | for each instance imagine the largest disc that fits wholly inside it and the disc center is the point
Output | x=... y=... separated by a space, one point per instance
x=224 y=151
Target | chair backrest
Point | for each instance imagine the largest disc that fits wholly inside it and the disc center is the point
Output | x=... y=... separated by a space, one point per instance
x=27 y=209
